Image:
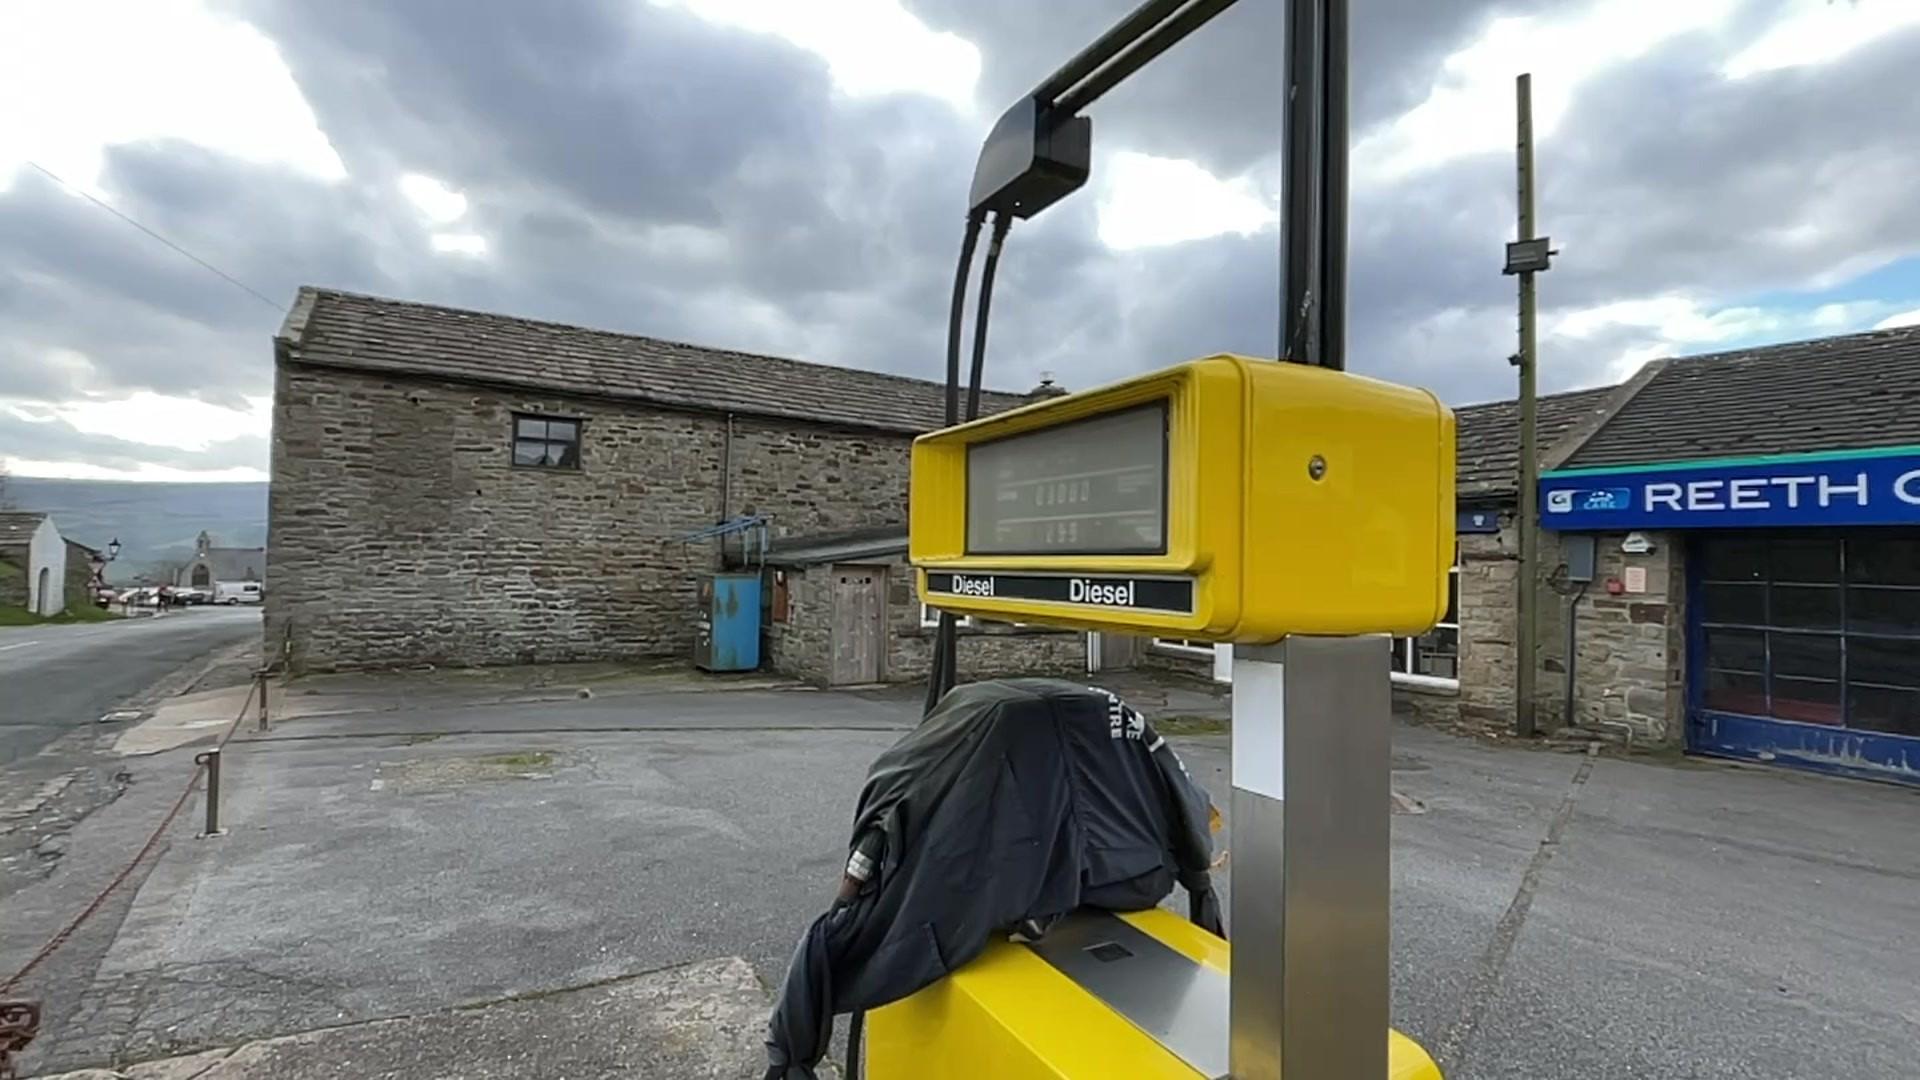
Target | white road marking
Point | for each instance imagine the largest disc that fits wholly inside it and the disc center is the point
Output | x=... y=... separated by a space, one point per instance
x=19 y=645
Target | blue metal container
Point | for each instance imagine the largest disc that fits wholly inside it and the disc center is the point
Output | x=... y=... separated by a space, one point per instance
x=727 y=635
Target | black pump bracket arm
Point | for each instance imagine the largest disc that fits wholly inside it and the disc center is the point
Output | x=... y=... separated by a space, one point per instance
x=1041 y=149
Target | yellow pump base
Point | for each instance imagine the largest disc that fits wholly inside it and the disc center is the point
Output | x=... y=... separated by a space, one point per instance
x=1011 y=1015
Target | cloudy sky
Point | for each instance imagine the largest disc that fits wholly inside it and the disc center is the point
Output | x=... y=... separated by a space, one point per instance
x=788 y=176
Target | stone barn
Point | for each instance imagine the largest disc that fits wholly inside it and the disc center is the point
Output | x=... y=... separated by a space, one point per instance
x=460 y=488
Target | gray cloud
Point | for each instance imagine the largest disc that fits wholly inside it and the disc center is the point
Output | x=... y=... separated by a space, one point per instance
x=636 y=168
x=56 y=440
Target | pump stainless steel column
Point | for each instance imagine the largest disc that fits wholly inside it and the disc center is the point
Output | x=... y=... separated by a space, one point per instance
x=1311 y=828
x=1309 y=917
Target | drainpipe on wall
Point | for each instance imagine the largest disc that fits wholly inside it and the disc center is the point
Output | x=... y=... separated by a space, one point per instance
x=1573 y=618
x=726 y=484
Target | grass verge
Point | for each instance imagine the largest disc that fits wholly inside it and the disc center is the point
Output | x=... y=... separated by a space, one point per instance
x=1188 y=724
x=13 y=616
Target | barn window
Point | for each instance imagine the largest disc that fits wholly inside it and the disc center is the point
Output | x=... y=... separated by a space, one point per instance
x=546 y=442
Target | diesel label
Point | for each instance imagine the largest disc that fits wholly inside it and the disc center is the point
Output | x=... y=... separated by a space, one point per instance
x=972 y=586
x=1118 y=594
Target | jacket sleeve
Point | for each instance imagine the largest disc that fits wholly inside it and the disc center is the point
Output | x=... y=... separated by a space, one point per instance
x=801 y=1026
x=1191 y=812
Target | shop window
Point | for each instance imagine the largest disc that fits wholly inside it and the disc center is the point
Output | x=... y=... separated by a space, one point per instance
x=1434 y=657
x=1819 y=629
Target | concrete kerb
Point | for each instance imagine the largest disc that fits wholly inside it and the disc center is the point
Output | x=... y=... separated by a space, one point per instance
x=196 y=717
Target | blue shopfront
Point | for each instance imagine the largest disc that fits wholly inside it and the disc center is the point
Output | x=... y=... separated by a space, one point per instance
x=1802 y=598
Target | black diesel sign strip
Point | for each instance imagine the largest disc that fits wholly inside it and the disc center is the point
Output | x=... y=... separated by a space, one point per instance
x=1080 y=590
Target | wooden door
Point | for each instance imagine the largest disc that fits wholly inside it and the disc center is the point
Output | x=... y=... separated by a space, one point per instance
x=1117 y=652
x=858 y=625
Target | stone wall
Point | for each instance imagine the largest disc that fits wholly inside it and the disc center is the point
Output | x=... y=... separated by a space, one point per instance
x=13 y=576
x=1629 y=671
x=402 y=533
x=79 y=577
x=802 y=646
x=1630 y=658
x=1157 y=658
x=813 y=480
x=1489 y=585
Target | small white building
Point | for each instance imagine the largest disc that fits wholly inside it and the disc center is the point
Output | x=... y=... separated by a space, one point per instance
x=33 y=563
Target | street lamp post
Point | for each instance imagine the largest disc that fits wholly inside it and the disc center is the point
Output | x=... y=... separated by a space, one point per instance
x=113 y=552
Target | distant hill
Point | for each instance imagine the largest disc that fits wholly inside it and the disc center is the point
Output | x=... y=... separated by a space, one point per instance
x=155 y=523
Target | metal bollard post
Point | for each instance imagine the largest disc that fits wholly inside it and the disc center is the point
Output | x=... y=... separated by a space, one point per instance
x=260 y=682
x=211 y=759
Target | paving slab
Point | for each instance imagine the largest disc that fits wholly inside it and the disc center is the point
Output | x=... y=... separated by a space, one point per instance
x=700 y=1021
x=363 y=878
x=189 y=719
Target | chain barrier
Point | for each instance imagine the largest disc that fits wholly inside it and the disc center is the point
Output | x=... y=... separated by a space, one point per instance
x=20 y=1019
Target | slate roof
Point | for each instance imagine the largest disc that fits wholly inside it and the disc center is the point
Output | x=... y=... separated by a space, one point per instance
x=1854 y=392
x=370 y=333
x=17 y=526
x=1489 y=438
x=875 y=542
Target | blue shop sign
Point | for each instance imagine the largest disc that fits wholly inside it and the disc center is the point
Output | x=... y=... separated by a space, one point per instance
x=1877 y=487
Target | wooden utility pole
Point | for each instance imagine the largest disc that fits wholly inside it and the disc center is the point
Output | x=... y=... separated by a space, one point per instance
x=1526 y=256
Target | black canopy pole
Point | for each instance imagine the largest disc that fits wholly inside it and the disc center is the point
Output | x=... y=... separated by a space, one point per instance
x=1105 y=47
x=1313 y=227
x=1141 y=53
x=1333 y=187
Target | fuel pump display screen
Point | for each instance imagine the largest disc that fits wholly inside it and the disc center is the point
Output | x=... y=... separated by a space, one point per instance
x=1095 y=487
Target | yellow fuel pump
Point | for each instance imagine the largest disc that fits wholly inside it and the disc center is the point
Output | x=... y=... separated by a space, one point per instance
x=1225 y=499
x=1294 y=510
x=1013 y=1015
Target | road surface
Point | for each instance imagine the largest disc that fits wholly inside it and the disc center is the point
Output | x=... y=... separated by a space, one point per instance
x=58 y=677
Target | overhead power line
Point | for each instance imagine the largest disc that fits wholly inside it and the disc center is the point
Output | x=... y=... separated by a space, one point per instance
x=204 y=264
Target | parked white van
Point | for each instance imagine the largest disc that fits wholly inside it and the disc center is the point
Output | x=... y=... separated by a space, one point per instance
x=236 y=592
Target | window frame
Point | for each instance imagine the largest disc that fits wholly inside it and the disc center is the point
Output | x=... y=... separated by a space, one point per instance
x=930 y=619
x=1184 y=647
x=546 y=441
x=1407 y=677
